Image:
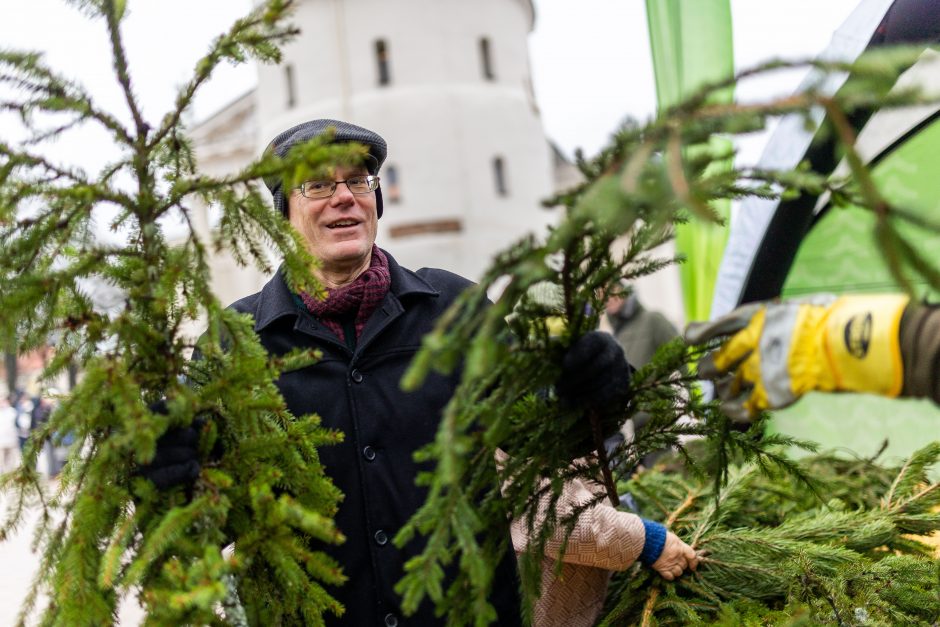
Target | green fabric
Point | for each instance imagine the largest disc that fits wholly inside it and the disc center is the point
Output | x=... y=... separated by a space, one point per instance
x=840 y=255
x=692 y=45
x=858 y=424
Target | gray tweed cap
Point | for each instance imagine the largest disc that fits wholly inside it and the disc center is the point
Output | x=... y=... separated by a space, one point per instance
x=343 y=132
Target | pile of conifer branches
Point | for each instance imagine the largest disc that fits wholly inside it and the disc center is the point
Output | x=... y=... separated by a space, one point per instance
x=846 y=548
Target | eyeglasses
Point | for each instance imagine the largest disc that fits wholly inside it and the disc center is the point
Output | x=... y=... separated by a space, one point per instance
x=324 y=189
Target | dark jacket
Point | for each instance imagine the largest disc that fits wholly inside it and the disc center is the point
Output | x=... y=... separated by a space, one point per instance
x=640 y=332
x=359 y=394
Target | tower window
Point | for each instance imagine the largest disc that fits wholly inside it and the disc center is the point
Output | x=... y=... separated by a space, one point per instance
x=499 y=176
x=390 y=188
x=381 y=58
x=486 y=60
x=291 y=86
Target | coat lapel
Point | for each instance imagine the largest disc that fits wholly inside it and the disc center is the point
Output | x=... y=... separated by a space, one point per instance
x=405 y=285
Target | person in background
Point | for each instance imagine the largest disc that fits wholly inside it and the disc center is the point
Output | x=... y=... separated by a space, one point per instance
x=43 y=406
x=9 y=442
x=638 y=330
x=24 y=409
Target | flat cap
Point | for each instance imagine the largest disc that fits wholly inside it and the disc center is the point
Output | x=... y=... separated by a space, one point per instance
x=343 y=132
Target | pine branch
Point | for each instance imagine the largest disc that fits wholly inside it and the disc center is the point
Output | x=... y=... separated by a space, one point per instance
x=107 y=530
x=648 y=179
x=53 y=93
x=113 y=14
x=259 y=35
x=820 y=553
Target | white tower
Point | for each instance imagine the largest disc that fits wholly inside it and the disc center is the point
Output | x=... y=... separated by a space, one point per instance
x=447 y=84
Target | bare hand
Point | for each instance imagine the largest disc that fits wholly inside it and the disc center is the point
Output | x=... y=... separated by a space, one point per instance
x=676 y=557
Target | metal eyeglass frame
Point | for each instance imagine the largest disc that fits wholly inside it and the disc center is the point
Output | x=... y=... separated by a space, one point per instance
x=373 y=185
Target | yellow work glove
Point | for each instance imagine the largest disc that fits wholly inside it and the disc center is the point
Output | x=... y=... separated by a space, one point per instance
x=773 y=353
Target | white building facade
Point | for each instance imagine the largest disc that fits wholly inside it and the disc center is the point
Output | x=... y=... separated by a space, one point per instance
x=447 y=84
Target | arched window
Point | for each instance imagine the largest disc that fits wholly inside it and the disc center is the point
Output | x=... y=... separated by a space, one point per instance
x=486 y=60
x=381 y=59
x=291 y=86
x=499 y=176
x=390 y=189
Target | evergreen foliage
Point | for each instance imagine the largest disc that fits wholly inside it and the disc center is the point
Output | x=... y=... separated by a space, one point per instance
x=650 y=177
x=776 y=551
x=105 y=532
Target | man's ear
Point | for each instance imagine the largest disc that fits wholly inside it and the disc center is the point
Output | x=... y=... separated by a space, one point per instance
x=288 y=200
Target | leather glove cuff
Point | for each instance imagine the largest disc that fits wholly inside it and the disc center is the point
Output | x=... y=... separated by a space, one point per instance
x=920 y=350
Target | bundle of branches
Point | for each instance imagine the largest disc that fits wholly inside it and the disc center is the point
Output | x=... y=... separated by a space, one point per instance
x=106 y=532
x=647 y=180
x=843 y=549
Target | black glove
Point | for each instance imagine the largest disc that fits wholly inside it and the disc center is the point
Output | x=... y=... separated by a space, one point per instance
x=594 y=373
x=176 y=461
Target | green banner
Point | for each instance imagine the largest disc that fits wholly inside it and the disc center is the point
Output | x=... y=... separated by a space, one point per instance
x=691 y=45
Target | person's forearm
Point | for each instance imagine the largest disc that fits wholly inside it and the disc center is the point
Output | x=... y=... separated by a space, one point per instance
x=920 y=351
x=603 y=538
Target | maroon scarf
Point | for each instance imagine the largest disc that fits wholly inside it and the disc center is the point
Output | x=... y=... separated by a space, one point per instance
x=362 y=297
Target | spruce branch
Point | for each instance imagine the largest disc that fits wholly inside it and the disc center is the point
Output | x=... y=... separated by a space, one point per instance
x=258 y=35
x=648 y=179
x=107 y=533
x=52 y=93
x=820 y=553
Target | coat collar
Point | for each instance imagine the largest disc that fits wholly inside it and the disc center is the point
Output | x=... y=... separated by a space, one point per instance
x=277 y=301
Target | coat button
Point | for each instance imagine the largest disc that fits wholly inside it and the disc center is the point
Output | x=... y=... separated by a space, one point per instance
x=356 y=376
x=391 y=620
x=369 y=453
x=380 y=538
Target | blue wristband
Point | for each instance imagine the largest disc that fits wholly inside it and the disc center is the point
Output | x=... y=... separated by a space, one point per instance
x=655 y=541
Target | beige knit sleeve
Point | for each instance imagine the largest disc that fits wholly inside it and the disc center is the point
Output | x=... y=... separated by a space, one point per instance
x=603 y=537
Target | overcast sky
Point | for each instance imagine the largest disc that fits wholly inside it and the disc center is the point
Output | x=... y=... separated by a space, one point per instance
x=590 y=58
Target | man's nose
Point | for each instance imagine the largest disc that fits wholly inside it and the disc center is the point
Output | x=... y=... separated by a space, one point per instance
x=342 y=193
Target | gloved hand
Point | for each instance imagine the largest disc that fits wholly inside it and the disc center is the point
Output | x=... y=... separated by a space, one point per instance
x=676 y=557
x=773 y=353
x=594 y=373
x=176 y=461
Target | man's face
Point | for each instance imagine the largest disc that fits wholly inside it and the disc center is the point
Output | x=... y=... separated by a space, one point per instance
x=339 y=230
x=613 y=304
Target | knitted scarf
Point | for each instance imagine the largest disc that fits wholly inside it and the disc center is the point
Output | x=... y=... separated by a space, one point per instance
x=360 y=298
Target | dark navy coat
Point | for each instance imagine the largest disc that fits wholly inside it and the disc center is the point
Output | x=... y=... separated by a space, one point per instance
x=358 y=393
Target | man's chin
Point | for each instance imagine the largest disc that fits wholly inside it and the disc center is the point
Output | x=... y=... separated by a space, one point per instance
x=348 y=252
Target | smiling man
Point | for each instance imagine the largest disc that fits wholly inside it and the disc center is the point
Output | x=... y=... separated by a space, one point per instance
x=368 y=328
